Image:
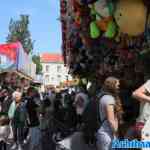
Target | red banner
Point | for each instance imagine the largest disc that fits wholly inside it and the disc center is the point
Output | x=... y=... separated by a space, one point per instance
x=10 y=50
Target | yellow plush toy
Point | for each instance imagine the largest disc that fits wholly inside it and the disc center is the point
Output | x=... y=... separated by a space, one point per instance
x=130 y=16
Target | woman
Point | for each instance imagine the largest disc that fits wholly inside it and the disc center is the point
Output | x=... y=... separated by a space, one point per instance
x=18 y=118
x=110 y=109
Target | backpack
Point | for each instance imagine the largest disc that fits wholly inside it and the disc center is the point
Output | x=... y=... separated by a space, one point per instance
x=91 y=120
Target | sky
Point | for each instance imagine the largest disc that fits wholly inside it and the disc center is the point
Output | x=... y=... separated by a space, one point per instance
x=44 y=26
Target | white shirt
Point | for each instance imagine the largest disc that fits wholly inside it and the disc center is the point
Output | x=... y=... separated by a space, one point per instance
x=145 y=106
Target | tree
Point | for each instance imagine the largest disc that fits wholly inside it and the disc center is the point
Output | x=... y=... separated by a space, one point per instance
x=18 y=31
x=36 y=60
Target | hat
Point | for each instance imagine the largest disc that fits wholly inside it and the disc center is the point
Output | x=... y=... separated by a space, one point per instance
x=130 y=16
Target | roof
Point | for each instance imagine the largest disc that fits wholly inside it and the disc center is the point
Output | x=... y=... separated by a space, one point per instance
x=49 y=57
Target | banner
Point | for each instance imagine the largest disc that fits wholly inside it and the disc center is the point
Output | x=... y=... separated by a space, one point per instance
x=8 y=56
x=12 y=56
x=24 y=61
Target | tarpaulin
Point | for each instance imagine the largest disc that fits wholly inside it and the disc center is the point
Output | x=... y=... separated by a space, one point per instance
x=14 y=58
x=9 y=55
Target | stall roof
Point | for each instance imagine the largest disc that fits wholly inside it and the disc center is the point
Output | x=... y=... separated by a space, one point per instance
x=22 y=75
x=48 y=57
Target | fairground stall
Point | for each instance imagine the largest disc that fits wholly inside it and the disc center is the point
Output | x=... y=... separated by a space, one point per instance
x=102 y=38
x=106 y=37
x=16 y=67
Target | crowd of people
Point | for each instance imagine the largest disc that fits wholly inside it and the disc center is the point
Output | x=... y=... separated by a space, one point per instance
x=37 y=121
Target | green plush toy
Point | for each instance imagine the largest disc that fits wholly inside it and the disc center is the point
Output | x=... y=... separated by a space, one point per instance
x=103 y=10
x=94 y=30
x=111 y=30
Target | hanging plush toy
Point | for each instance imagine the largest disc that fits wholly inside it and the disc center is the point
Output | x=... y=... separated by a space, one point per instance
x=94 y=30
x=102 y=7
x=104 y=10
x=86 y=2
x=130 y=16
x=80 y=11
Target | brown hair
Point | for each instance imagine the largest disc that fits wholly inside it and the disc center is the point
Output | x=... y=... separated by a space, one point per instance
x=110 y=87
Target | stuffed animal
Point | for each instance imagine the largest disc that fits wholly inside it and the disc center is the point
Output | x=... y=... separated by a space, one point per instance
x=102 y=7
x=86 y=2
x=94 y=30
x=80 y=11
x=104 y=20
x=130 y=16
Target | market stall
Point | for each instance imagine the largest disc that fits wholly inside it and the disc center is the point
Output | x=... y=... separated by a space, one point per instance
x=106 y=37
x=16 y=67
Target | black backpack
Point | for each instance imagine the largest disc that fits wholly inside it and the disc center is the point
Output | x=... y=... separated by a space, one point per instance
x=91 y=120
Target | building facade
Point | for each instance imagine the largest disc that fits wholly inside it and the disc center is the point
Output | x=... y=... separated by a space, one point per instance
x=54 y=72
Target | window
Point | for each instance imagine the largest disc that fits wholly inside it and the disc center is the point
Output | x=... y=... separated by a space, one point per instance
x=59 y=77
x=47 y=78
x=58 y=69
x=47 y=68
x=67 y=78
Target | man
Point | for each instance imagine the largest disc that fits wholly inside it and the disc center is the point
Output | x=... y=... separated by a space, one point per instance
x=33 y=119
x=81 y=100
x=5 y=100
x=143 y=95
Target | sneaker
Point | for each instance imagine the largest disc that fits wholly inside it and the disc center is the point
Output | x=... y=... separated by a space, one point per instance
x=20 y=147
x=25 y=142
x=14 y=146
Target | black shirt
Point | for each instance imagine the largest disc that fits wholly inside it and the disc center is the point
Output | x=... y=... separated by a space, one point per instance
x=32 y=112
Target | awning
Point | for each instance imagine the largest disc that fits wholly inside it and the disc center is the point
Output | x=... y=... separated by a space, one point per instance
x=22 y=75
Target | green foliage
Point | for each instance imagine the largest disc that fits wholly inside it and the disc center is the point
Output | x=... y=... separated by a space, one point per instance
x=36 y=60
x=18 y=31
